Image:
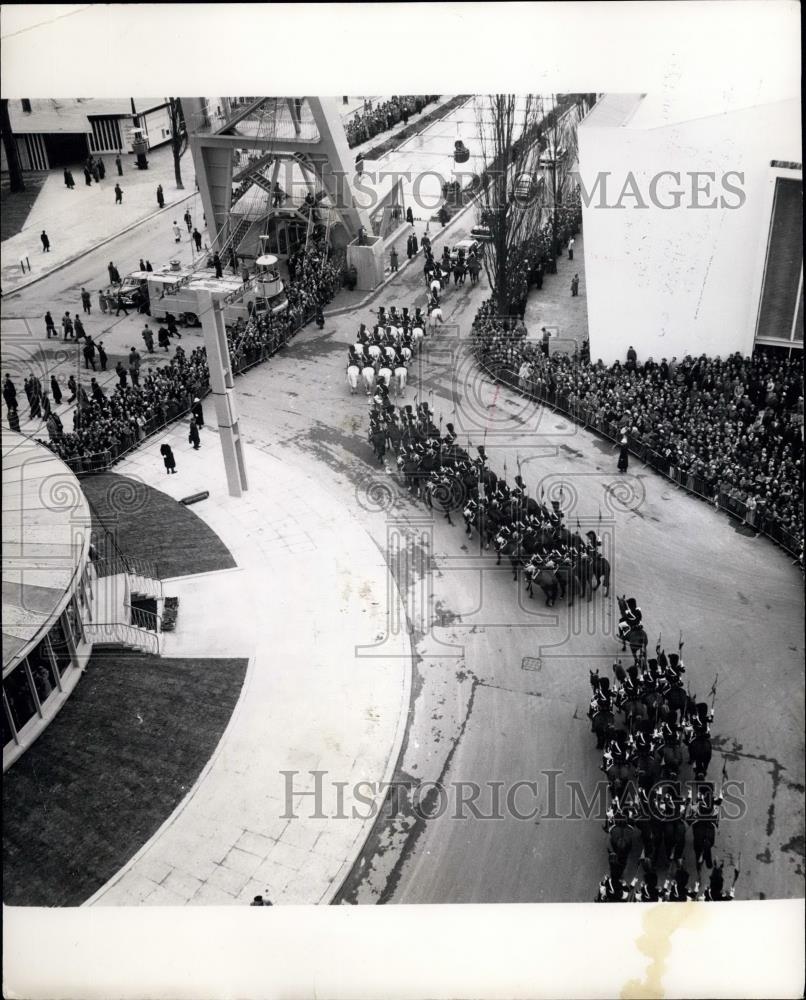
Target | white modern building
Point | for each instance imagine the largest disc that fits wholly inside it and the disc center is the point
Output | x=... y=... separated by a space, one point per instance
x=693 y=224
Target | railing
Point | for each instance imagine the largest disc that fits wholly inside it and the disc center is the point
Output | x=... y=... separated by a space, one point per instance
x=123 y=634
x=241 y=360
x=711 y=492
x=148 y=620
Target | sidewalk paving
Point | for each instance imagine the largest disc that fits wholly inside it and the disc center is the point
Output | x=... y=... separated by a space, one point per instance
x=565 y=315
x=77 y=221
x=309 y=588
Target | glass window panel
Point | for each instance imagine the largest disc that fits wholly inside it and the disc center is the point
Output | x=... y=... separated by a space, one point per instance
x=73 y=621
x=8 y=735
x=41 y=671
x=20 y=699
x=59 y=644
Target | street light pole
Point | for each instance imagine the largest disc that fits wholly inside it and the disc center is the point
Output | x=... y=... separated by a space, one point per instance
x=223 y=388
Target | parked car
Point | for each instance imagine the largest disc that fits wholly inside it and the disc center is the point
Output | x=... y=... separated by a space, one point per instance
x=481 y=234
x=133 y=291
x=464 y=248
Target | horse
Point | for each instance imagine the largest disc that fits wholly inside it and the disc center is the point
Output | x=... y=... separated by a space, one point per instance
x=620 y=844
x=567 y=580
x=670 y=834
x=602 y=723
x=401 y=376
x=600 y=572
x=353 y=371
x=703 y=834
x=699 y=755
x=368 y=374
x=546 y=579
x=638 y=641
x=678 y=702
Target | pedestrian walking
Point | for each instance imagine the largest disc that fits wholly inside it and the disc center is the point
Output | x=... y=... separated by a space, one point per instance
x=189 y=221
x=168 y=458
x=177 y=234
x=67 y=326
x=410 y=216
x=148 y=337
x=9 y=392
x=393 y=260
x=170 y=321
x=55 y=390
x=571 y=248
x=122 y=374
x=197 y=239
x=45 y=242
x=575 y=285
x=193 y=435
x=103 y=301
x=96 y=173
x=14 y=420
x=87 y=177
x=198 y=412
x=101 y=355
x=163 y=338
x=101 y=167
x=71 y=385
x=545 y=338
x=119 y=165
x=114 y=274
x=50 y=326
x=160 y=196
x=78 y=327
x=89 y=354
x=118 y=194
x=86 y=303
x=121 y=305
x=219 y=271
x=67 y=179
x=624 y=452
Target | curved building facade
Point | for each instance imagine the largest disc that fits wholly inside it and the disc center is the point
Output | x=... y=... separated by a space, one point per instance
x=48 y=583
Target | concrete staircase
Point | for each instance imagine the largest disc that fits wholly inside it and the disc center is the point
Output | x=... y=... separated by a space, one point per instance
x=112 y=619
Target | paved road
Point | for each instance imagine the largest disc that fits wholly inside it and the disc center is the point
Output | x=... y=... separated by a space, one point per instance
x=479 y=712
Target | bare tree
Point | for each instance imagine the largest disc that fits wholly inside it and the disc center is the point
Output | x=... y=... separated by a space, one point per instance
x=179 y=136
x=509 y=130
x=16 y=181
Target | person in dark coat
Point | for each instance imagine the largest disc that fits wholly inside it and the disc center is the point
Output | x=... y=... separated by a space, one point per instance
x=87 y=177
x=118 y=194
x=96 y=173
x=14 y=419
x=168 y=458
x=101 y=355
x=86 y=301
x=219 y=271
x=163 y=338
x=45 y=242
x=148 y=266
x=122 y=374
x=193 y=434
x=97 y=392
x=623 y=453
x=73 y=387
x=121 y=305
x=57 y=392
x=119 y=165
x=101 y=168
x=78 y=327
x=160 y=196
x=410 y=216
x=67 y=178
x=9 y=392
x=50 y=326
x=197 y=239
x=198 y=412
x=89 y=354
x=114 y=274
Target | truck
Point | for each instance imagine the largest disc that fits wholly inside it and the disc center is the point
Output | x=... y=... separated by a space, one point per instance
x=172 y=289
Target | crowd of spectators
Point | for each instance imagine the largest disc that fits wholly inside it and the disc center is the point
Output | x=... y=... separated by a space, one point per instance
x=735 y=424
x=373 y=120
x=107 y=424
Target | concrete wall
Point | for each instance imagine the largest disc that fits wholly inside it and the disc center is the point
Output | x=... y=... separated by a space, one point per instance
x=684 y=280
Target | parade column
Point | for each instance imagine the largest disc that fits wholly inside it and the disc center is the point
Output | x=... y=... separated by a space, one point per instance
x=222 y=385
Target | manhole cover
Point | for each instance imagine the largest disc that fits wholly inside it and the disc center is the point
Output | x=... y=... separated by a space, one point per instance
x=532 y=663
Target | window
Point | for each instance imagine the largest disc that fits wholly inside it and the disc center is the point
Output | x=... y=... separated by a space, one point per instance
x=20 y=699
x=26 y=105
x=781 y=312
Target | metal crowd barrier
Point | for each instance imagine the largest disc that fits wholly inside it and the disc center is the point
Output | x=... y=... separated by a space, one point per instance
x=693 y=484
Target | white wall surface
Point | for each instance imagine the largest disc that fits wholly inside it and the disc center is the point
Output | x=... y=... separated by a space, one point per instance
x=681 y=280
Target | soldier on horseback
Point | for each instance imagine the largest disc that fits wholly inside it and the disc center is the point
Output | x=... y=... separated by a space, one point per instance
x=630 y=616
